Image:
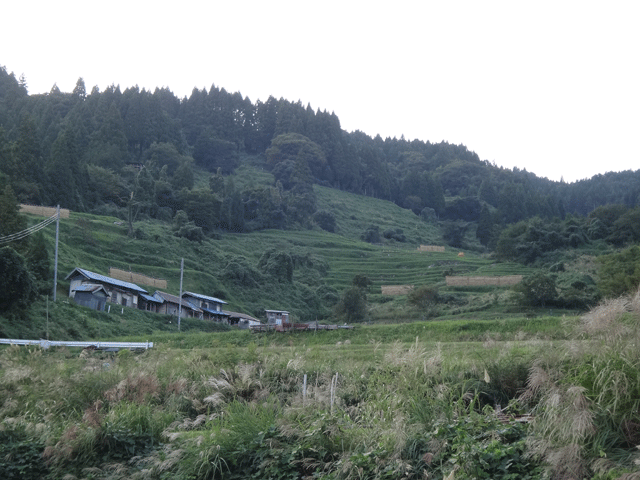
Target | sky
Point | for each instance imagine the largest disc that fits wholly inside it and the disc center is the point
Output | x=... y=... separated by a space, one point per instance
x=552 y=87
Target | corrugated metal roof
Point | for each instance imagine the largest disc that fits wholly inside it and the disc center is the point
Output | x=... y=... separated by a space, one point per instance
x=242 y=316
x=104 y=279
x=203 y=297
x=215 y=312
x=151 y=298
x=175 y=299
x=89 y=287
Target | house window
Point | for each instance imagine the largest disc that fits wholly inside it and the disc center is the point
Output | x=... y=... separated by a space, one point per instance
x=124 y=301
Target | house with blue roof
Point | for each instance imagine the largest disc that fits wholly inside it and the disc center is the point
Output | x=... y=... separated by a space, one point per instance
x=172 y=304
x=211 y=306
x=117 y=291
x=94 y=291
x=150 y=303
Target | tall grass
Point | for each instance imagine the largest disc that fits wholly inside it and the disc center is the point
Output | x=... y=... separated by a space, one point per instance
x=587 y=396
x=439 y=400
x=211 y=413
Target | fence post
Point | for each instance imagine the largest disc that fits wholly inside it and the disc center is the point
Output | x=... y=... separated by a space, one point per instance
x=55 y=262
x=304 y=389
x=334 y=385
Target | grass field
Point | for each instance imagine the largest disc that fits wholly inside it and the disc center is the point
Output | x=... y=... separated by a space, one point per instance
x=502 y=399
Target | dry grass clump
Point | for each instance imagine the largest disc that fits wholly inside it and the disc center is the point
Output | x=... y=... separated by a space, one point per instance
x=138 y=389
x=245 y=382
x=562 y=423
x=605 y=319
x=587 y=412
x=398 y=355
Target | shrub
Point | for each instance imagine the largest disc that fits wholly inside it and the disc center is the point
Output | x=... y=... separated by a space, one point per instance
x=20 y=454
x=479 y=445
x=352 y=305
x=424 y=298
x=190 y=232
x=394 y=235
x=538 y=290
x=17 y=286
x=371 y=234
x=325 y=220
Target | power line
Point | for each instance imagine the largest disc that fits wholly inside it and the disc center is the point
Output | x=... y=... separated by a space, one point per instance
x=29 y=231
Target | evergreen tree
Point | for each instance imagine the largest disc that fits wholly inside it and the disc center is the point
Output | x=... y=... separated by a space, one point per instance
x=17 y=287
x=183 y=178
x=11 y=220
x=352 y=305
x=64 y=172
x=80 y=91
x=486 y=223
x=108 y=144
x=38 y=261
x=8 y=165
x=30 y=177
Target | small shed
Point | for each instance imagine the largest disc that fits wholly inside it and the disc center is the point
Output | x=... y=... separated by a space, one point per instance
x=242 y=320
x=277 y=317
x=91 y=295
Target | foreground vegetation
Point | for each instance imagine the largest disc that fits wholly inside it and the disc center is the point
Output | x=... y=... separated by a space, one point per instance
x=508 y=399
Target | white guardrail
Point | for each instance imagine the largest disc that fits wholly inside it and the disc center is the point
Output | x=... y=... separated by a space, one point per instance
x=98 y=345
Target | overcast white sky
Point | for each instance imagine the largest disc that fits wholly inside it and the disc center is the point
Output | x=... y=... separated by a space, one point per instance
x=552 y=87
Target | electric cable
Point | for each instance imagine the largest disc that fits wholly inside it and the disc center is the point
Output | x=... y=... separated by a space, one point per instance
x=29 y=231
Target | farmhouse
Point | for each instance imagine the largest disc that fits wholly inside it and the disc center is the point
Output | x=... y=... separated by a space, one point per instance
x=211 y=306
x=117 y=291
x=94 y=291
x=171 y=304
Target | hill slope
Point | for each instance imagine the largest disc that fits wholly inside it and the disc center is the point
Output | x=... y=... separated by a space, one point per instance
x=243 y=269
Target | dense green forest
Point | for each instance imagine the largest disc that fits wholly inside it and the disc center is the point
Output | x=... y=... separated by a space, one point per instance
x=86 y=151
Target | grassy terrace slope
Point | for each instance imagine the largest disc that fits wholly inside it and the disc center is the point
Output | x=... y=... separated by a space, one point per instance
x=99 y=242
x=395 y=264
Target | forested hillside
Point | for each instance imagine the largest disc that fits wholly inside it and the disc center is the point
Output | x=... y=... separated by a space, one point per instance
x=137 y=154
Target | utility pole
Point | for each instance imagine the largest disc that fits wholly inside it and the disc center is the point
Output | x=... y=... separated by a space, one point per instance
x=180 y=299
x=55 y=265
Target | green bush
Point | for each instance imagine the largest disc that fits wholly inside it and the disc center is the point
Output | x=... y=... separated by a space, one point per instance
x=21 y=453
x=478 y=445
